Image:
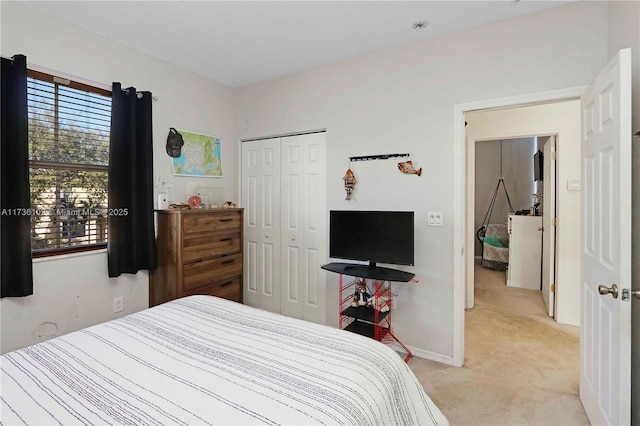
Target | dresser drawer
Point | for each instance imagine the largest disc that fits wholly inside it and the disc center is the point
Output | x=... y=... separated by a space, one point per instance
x=200 y=274
x=199 y=223
x=227 y=289
x=207 y=245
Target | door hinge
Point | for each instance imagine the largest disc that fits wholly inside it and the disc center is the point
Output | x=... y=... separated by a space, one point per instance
x=554 y=221
x=553 y=155
x=553 y=287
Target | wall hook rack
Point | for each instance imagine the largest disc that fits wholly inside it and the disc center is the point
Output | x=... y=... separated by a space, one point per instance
x=377 y=157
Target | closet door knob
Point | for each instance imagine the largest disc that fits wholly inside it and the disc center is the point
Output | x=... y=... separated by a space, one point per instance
x=293 y=238
x=266 y=235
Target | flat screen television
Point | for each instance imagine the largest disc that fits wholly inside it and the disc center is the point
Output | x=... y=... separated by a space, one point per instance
x=538 y=166
x=372 y=236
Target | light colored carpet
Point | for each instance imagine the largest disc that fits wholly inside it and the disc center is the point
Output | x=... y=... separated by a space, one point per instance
x=521 y=367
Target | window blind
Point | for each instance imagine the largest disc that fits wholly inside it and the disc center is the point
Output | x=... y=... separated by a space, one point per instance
x=69 y=126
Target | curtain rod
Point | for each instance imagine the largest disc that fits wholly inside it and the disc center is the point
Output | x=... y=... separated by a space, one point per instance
x=139 y=93
x=68 y=76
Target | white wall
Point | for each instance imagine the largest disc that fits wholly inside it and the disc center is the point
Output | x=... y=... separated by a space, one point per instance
x=624 y=31
x=75 y=292
x=72 y=292
x=563 y=119
x=402 y=100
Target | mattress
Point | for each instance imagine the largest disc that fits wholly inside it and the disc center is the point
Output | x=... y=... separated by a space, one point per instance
x=206 y=360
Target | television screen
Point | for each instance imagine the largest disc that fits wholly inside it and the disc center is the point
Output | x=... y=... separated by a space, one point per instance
x=373 y=236
x=538 y=164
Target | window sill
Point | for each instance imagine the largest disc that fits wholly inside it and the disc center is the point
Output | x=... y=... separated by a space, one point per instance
x=68 y=255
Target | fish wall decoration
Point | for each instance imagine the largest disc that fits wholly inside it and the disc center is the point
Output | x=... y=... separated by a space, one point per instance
x=349 y=182
x=407 y=167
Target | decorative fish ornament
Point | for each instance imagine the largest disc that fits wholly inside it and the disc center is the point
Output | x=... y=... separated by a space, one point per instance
x=349 y=182
x=407 y=167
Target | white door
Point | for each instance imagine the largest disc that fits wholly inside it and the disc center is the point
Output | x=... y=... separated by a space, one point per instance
x=261 y=201
x=284 y=196
x=303 y=225
x=605 y=332
x=548 y=224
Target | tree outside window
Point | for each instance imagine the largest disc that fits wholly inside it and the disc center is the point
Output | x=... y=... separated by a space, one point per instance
x=69 y=127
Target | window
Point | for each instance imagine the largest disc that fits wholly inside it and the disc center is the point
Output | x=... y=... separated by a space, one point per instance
x=69 y=125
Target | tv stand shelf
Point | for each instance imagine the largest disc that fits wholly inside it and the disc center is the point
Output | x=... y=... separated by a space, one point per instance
x=366 y=271
x=370 y=321
x=364 y=313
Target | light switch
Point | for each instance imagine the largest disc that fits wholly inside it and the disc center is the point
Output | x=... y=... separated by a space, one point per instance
x=573 y=185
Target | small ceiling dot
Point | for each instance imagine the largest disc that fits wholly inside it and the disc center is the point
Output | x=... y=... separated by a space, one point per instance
x=420 y=25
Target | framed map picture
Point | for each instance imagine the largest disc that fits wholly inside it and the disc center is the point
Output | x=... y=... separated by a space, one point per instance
x=200 y=157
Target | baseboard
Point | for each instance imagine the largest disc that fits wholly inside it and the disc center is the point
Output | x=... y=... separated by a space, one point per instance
x=431 y=356
x=569 y=321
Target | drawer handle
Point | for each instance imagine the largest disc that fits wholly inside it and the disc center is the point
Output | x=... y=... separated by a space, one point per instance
x=227 y=261
x=226 y=220
x=226 y=239
x=226 y=284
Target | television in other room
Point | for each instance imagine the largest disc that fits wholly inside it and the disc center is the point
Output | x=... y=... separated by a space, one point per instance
x=538 y=166
x=372 y=236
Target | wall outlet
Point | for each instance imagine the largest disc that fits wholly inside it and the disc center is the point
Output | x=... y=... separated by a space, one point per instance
x=434 y=219
x=118 y=304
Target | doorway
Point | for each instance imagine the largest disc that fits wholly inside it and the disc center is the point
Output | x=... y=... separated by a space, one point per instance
x=559 y=119
x=520 y=208
x=515 y=117
x=507 y=162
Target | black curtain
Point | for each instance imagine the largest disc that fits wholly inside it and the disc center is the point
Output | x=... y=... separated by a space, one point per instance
x=15 y=226
x=131 y=243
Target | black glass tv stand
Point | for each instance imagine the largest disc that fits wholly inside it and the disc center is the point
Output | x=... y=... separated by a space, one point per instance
x=369 y=271
x=372 y=321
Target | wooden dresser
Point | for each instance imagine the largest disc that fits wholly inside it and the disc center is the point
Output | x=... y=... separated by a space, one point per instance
x=199 y=252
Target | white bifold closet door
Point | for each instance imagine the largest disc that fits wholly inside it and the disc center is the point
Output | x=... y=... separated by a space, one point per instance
x=284 y=196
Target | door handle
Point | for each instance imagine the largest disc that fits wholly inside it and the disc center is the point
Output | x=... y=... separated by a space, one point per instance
x=613 y=290
x=540 y=228
x=635 y=293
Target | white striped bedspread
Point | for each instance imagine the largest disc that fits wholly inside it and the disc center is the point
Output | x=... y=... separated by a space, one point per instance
x=205 y=360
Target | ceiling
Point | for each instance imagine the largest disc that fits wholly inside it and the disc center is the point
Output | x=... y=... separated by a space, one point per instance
x=238 y=43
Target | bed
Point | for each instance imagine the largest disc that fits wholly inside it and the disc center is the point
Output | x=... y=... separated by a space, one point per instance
x=206 y=360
